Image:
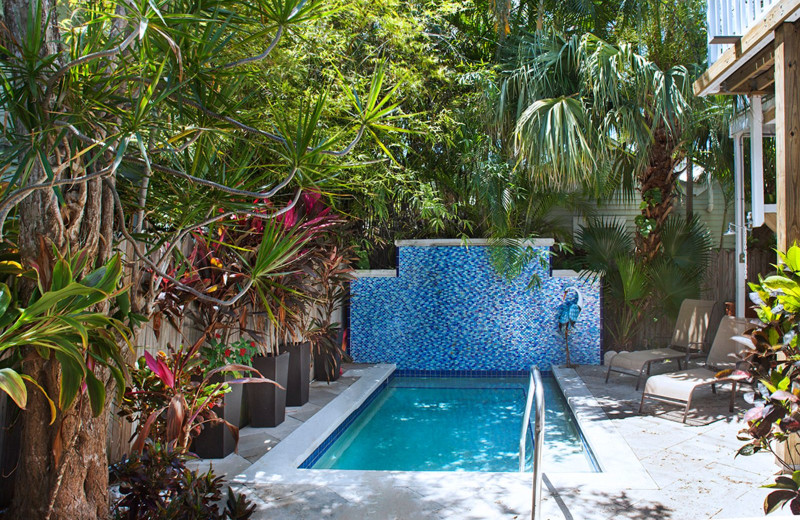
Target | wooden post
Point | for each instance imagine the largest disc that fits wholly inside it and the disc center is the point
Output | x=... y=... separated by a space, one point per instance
x=787 y=132
x=689 y=186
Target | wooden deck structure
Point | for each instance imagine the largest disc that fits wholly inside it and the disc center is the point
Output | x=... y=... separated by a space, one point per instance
x=762 y=62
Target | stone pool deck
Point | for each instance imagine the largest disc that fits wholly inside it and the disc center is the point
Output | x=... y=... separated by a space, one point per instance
x=677 y=471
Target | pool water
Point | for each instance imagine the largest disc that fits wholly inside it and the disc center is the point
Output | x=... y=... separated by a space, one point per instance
x=456 y=424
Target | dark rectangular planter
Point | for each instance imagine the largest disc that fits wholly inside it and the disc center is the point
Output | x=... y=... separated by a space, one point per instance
x=327 y=365
x=299 y=373
x=328 y=362
x=216 y=441
x=267 y=402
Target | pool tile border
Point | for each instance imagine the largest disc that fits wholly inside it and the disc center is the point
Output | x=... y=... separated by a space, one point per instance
x=333 y=437
x=461 y=373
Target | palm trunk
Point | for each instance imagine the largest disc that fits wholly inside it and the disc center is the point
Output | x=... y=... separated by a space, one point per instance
x=657 y=178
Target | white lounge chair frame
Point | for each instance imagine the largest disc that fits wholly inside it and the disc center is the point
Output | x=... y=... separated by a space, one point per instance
x=723 y=355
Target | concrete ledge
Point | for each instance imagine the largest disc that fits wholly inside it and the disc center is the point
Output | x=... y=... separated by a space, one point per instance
x=618 y=463
x=469 y=242
x=375 y=273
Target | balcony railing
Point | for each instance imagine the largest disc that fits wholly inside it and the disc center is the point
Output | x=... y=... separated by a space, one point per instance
x=728 y=19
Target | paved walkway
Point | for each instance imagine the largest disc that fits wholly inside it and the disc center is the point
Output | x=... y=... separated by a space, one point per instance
x=692 y=466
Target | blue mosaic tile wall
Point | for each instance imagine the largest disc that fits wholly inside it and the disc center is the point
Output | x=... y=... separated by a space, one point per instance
x=449 y=310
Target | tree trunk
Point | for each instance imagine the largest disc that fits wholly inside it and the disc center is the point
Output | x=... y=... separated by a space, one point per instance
x=63 y=469
x=658 y=179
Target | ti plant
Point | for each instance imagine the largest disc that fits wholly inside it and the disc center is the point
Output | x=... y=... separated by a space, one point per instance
x=773 y=358
x=157 y=484
x=172 y=397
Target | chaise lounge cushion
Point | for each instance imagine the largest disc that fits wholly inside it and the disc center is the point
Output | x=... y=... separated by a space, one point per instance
x=634 y=360
x=690 y=333
x=724 y=354
x=679 y=385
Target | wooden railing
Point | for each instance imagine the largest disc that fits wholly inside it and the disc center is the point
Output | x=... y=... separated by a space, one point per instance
x=730 y=18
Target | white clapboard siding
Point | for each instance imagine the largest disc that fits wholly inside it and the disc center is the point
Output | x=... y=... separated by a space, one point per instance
x=708 y=205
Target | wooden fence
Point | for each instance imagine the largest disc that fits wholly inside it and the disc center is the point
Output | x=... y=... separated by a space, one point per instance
x=719 y=285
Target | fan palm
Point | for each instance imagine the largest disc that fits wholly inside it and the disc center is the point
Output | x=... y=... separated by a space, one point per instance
x=586 y=113
x=634 y=288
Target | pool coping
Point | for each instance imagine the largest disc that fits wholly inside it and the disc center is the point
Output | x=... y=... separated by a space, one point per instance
x=620 y=467
x=617 y=461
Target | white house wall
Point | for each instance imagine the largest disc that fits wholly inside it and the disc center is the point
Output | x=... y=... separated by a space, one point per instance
x=710 y=209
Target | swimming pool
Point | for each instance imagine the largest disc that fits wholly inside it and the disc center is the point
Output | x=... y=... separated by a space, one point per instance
x=452 y=424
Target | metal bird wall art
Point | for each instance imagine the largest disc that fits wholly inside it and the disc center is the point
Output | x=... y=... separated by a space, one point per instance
x=568 y=313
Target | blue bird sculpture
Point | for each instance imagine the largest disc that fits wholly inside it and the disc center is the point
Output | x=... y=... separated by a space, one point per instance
x=568 y=313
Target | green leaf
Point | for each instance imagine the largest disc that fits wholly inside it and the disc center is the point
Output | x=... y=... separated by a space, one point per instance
x=97 y=393
x=746 y=450
x=5 y=298
x=62 y=275
x=792 y=258
x=12 y=384
x=72 y=375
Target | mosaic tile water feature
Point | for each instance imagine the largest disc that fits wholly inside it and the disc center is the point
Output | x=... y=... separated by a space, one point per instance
x=448 y=309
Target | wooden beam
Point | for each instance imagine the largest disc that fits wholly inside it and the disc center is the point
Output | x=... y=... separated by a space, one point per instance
x=739 y=81
x=763 y=82
x=722 y=40
x=753 y=39
x=787 y=132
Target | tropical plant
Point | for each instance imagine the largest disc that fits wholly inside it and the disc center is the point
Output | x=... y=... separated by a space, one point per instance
x=772 y=360
x=155 y=483
x=58 y=324
x=587 y=113
x=634 y=289
x=332 y=270
x=171 y=398
x=216 y=353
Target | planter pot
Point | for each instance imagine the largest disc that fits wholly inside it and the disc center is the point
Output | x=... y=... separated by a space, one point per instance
x=789 y=453
x=299 y=373
x=216 y=442
x=327 y=365
x=267 y=402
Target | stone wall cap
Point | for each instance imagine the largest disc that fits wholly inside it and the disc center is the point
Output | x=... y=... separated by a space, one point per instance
x=469 y=242
x=375 y=273
x=569 y=273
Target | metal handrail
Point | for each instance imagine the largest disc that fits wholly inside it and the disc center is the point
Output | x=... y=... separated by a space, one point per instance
x=535 y=392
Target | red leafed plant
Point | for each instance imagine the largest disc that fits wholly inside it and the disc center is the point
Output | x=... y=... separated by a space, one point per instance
x=171 y=397
x=279 y=267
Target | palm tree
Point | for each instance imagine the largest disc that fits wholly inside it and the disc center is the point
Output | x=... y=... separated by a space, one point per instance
x=586 y=113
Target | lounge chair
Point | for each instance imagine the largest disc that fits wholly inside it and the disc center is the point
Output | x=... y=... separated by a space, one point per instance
x=694 y=318
x=678 y=387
